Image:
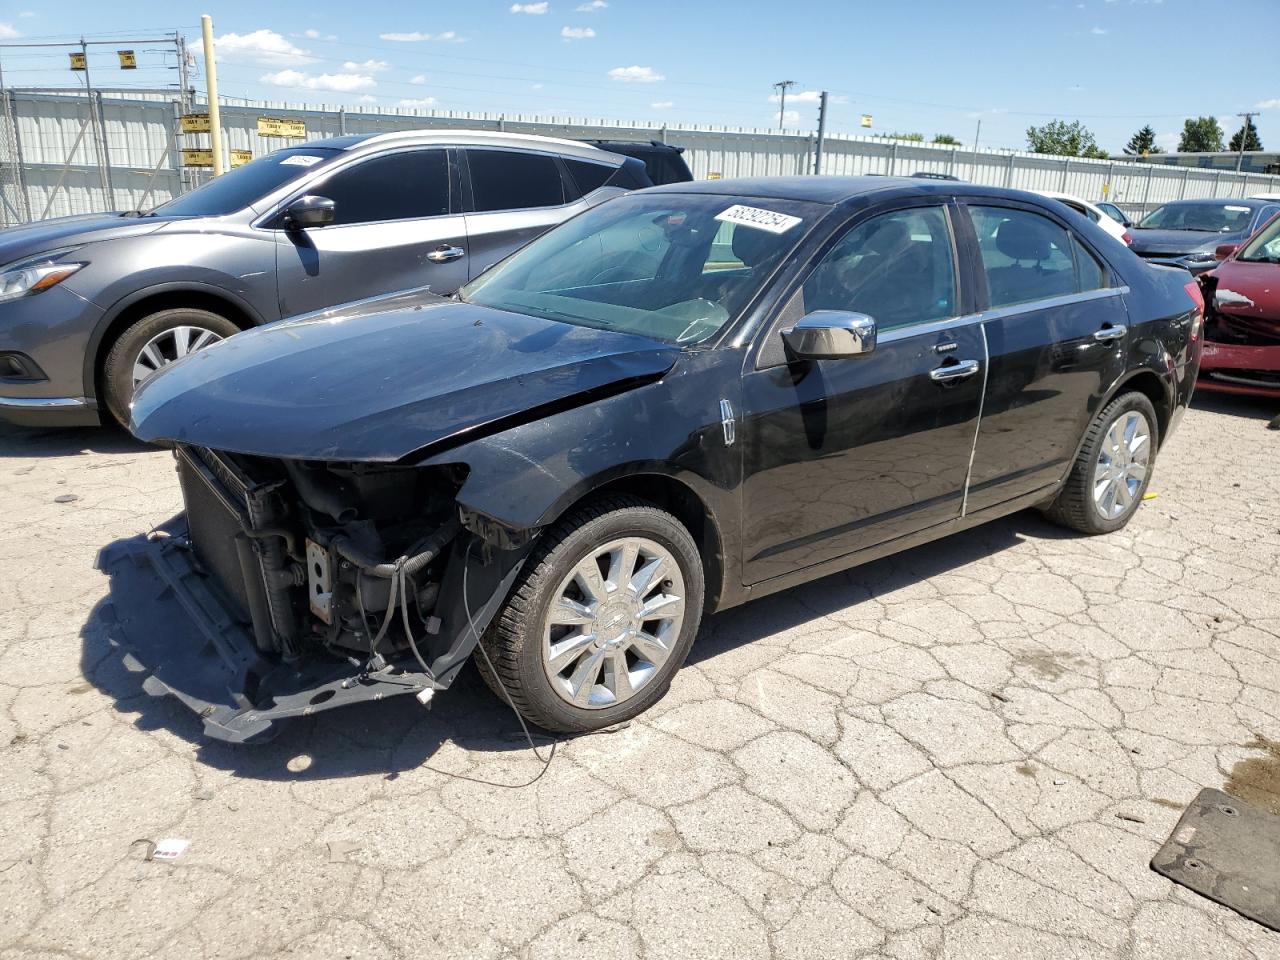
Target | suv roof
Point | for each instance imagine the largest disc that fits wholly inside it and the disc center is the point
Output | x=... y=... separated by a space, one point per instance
x=662 y=160
x=479 y=138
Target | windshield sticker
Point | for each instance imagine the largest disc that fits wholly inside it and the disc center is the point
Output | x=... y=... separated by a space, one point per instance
x=299 y=160
x=759 y=219
x=1236 y=209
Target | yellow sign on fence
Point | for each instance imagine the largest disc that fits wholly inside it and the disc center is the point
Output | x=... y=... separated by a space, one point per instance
x=278 y=127
x=240 y=157
x=78 y=61
x=127 y=60
x=194 y=123
x=197 y=157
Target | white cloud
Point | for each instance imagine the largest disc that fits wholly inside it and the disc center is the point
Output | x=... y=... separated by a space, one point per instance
x=1167 y=141
x=369 y=66
x=809 y=96
x=592 y=7
x=416 y=36
x=317 y=35
x=635 y=74
x=535 y=9
x=450 y=37
x=535 y=86
x=662 y=105
x=1099 y=32
x=577 y=33
x=265 y=47
x=337 y=82
x=420 y=79
x=367 y=98
x=790 y=118
x=7 y=32
x=420 y=103
x=27 y=13
x=1271 y=104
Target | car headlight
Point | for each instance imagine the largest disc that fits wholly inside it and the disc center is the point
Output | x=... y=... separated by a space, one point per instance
x=34 y=275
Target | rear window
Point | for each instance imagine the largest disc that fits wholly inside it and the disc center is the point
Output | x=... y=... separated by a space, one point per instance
x=512 y=180
x=245 y=186
x=587 y=175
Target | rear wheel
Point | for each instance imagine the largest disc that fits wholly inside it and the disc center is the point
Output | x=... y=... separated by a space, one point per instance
x=601 y=619
x=153 y=342
x=1113 y=469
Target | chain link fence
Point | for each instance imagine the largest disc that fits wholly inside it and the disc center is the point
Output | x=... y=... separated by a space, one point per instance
x=63 y=153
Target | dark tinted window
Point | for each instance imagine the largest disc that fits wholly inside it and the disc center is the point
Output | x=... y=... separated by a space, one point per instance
x=244 y=186
x=588 y=176
x=896 y=268
x=509 y=180
x=1027 y=257
x=1093 y=276
x=398 y=186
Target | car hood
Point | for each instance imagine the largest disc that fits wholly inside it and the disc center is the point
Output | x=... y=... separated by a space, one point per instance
x=1247 y=289
x=1175 y=243
x=33 y=239
x=384 y=380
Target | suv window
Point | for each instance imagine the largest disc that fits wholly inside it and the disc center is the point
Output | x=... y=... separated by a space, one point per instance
x=512 y=180
x=397 y=186
x=1026 y=256
x=897 y=268
x=587 y=175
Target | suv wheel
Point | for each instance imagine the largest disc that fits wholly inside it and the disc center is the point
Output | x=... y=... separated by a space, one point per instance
x=1113 y=469
x=153 y=342
x=601 y=618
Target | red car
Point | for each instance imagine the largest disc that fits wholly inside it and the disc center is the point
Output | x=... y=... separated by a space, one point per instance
x=1242 y=308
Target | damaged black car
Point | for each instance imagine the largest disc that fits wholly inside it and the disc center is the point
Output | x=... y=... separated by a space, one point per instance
x=674 y=403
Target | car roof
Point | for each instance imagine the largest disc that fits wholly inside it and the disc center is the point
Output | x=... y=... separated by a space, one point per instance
x=835 y=190
x=478 y=138
x=1251 y=202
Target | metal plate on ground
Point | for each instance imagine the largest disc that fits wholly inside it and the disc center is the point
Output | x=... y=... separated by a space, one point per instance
x=1227 y=851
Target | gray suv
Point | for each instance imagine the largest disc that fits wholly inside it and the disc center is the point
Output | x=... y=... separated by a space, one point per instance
x=90 y=306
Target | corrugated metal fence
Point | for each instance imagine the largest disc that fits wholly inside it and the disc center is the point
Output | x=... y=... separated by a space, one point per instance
x=63 y=153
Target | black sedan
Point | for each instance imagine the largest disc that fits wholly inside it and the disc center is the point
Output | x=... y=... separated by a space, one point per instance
x=674 y=403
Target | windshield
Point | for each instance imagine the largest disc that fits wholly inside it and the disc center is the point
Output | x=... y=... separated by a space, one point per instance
x=244 y=186
x=1201 y=217
x=1265 y=247
x=673 y=267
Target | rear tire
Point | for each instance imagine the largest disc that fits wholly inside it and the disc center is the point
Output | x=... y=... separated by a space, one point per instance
x=1113 y=469
x=161 y=331
x=634 y=618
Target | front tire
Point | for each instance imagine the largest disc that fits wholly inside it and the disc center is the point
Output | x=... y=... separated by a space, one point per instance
x=600 y=620
x=153 y=342
x=1113 y=469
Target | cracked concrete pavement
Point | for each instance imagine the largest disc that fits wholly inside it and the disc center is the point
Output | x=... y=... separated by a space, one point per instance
x=969 y=750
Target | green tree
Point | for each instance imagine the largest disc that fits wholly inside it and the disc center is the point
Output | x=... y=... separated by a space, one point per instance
x=913 y=137
x=1142 y=143
x=946 y=139
x=1064 y=139
x=1201 y=135
x=1249 y=134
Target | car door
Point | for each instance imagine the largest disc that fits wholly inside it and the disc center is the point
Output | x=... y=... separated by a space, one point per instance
x=843 y=454
x=512 y=196
x=394 y=227
x=1057 y=338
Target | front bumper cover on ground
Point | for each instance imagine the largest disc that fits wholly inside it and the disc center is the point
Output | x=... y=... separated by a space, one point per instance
x=177 y=628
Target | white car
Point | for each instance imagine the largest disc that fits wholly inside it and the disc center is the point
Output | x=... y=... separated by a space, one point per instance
x=1265 y=196
x=1092 y=212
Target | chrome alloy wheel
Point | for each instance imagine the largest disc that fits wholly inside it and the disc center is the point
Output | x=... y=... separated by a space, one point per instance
x=168 y=346
x=613 y=622
x=1123 y=461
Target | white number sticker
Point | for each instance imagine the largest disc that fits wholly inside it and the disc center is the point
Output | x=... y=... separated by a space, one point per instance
x=299 y=160
x=759 y=219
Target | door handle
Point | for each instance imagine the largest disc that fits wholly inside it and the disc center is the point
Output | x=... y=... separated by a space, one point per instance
x=445 y=254
x=955 y=371
x=1107 y=334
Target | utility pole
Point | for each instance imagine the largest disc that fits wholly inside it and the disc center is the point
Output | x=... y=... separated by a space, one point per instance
x=211 y=80
x=781 y=86
x=822 y=133
x=1244 y=135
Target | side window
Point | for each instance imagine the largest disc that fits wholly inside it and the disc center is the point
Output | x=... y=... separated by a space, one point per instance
x=398 y=186
x=587 y=175
x=512 y=180
x=896 y=268
x=1265 y=216
x=1026 y=256
x=1093 y=275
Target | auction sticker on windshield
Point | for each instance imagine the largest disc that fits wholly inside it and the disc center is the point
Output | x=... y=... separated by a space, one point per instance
x=299 y=160
x=759 y=219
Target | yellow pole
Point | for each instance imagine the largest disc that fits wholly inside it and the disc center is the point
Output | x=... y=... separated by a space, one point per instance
x=211 y=78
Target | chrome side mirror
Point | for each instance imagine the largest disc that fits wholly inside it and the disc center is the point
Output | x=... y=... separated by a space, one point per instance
x=309 y=211
x=831 y=333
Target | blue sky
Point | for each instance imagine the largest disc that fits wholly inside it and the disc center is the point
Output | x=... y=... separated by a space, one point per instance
x=929 y=66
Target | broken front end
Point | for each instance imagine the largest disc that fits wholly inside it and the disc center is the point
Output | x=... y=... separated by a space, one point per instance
x=292 y=586
x=1242 y=343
